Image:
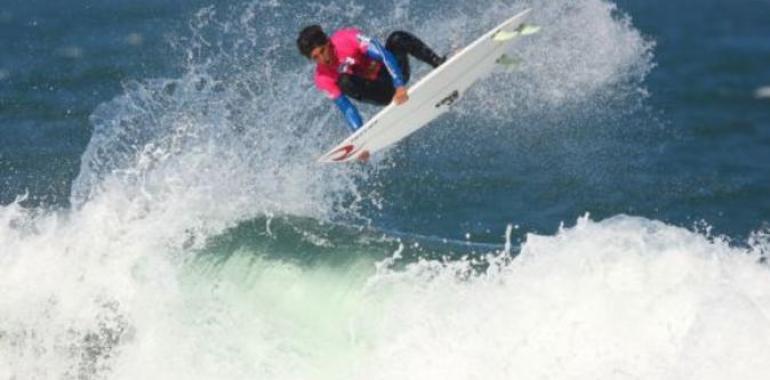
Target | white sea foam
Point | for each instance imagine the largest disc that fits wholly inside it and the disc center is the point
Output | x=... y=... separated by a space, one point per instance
x=622 y=298
x=102 y=291
x=762 y=92
x=626 y=297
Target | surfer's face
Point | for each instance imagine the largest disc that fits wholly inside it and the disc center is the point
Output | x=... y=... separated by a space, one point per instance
x=322 y=54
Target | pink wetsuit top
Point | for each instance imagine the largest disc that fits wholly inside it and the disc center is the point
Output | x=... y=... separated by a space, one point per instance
x=350 y=48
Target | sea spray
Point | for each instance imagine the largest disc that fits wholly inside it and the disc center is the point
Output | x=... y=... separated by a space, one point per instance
x=121 y=286
x=626 y=297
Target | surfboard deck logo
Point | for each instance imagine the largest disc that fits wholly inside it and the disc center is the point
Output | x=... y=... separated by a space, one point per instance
x=436 y=93
x=346 y=151
x=449 y=99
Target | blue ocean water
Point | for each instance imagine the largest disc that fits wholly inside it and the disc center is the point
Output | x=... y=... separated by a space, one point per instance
x=601 y=212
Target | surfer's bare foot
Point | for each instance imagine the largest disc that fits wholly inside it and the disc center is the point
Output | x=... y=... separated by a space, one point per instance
x=439 y=60
x=364 y=156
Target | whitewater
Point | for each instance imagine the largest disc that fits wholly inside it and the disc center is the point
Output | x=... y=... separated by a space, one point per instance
x=202 y=241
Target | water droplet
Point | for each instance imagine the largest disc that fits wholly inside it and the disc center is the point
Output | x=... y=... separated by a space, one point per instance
x=134 y=39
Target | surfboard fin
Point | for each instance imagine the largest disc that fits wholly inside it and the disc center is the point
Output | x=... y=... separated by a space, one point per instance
x=526 y=29
x=522 y=30
x=504 y=36
x=508 y=62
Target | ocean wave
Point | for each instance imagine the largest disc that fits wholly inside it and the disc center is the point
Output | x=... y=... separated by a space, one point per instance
x=204 y=242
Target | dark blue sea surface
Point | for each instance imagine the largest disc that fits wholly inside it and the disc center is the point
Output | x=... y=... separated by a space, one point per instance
x=60 y=60
x=602 y=210
x=696 y=150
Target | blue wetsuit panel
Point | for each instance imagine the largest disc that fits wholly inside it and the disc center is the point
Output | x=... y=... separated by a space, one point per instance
x=351 y=113
x=376 y=51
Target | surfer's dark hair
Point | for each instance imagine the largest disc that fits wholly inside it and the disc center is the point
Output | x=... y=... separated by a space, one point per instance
x=311 y=37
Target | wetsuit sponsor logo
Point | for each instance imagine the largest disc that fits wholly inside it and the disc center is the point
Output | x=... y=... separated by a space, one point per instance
x=364 y=40
x=346 y=66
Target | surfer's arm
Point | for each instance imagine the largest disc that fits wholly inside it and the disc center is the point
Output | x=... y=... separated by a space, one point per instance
x=349 y=110
x=375 y=50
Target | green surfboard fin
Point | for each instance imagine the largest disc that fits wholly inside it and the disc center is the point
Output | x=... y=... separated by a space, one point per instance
x=504 y=36
x=508 y=62
x=526 y=29
x=522 y=30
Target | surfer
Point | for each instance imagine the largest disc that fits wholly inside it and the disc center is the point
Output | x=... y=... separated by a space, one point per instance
x=349 y=64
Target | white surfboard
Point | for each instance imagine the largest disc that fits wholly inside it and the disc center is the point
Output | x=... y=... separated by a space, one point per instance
x=434 y=94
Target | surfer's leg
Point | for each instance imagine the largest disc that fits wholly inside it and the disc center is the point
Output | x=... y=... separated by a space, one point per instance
x=401 y=43
x=379 y=91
